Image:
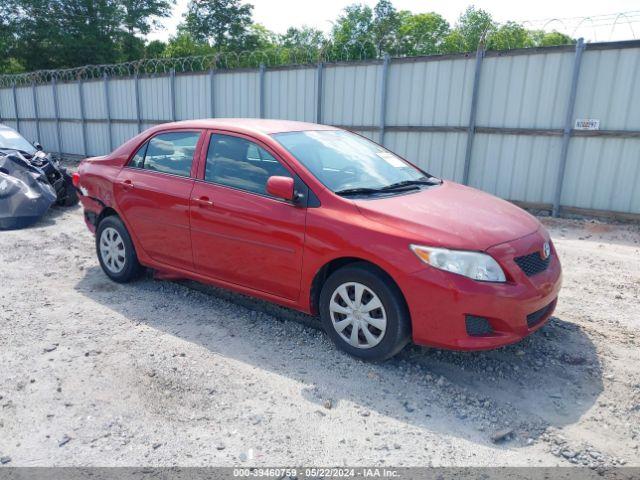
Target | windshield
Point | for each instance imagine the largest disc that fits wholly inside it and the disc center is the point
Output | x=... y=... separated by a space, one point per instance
x=346 y=162
x=13 y=140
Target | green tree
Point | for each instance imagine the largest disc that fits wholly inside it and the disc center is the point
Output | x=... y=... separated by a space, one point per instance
x=509 y=35
x=69 y=33
x=139 y=17
x=513 y=35
x=386 y=24
x=37 y=34
x=257 y=37
x=8 y=64
x=184 y=45
x=304 y=37
x=454 y=42
x=352 y=33
x=54 y=34
x=222 y=23
x=131 y=47
x=300 y=45
x=548 y=39
x=155 y=49
x=423 y=33
x=473 y=25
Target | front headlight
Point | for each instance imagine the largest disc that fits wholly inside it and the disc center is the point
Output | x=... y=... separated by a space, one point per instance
x=475 y=265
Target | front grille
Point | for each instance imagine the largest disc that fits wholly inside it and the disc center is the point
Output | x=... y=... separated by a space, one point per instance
x=536 y=317
x=533 y=263
x=477 y=326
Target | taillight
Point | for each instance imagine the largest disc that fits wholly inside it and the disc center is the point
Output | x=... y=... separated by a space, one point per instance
x=75 y=179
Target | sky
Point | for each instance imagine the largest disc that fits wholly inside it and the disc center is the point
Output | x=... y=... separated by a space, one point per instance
x=278 y=15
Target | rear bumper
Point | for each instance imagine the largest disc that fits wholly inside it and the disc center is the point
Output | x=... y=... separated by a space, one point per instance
x=92 y=209
x=439 y=302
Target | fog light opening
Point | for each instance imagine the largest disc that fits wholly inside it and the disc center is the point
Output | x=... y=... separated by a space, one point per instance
x=478 y=326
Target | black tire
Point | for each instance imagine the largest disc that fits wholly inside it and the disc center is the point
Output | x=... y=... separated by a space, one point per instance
x=132 y=268
x=398 y=324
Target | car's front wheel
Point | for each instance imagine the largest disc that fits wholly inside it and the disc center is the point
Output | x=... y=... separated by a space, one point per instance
x=115 y=250
x=364 y=313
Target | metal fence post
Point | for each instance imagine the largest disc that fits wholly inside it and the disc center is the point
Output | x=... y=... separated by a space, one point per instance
x=471 y=129
x=172 y=91
x=568 y=125
x=15 y=106
x=56 y=114
x=35 y=111
x=107 y=102
x=136 y=85
x=383 y=96
x=319 y=92
x=212 y=91
x=83 y=116
x=261 y=86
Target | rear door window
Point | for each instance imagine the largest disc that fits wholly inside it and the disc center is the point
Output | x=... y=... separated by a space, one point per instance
x=170 y=152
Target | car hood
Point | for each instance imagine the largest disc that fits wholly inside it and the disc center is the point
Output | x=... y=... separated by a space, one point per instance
x=451 y=215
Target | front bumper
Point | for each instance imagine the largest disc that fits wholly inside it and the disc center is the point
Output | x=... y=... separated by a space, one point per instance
x=439 y=302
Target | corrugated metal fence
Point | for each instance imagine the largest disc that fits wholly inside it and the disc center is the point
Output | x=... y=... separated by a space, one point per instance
x=499 y=121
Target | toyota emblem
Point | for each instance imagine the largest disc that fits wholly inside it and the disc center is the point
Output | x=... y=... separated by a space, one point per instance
x=546 y=250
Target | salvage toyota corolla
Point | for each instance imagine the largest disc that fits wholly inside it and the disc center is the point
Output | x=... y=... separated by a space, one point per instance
x=327 y=222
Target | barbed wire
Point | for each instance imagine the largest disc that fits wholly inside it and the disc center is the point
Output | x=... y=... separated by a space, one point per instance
x=276 y=56
x=291 y=56
x=594 y=26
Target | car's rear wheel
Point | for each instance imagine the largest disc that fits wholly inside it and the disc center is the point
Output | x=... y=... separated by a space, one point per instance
x=364 y=313
x=115 y=250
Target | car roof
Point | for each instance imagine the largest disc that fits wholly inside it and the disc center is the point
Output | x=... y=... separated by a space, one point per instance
x=249 y=125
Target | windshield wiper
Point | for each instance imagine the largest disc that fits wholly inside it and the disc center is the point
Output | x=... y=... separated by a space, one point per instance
x=358 y=191
x=411 y=183
x=394 y=187
x=372 y=191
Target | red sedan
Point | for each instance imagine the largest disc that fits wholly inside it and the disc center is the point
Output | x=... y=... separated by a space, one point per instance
x=327 y=222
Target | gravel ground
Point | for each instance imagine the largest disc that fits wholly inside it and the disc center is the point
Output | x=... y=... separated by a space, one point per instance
x=164 y=373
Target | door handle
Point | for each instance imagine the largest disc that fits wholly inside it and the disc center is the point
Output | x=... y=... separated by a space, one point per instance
x=127 y=184
x=203 y=201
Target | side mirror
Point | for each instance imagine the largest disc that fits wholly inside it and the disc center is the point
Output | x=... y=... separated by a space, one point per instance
x=37 y=146
x=281 y=187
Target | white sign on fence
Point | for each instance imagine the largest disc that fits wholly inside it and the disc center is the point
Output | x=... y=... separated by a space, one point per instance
x=587 y=124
